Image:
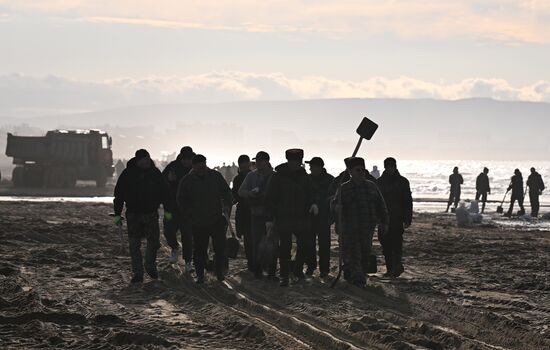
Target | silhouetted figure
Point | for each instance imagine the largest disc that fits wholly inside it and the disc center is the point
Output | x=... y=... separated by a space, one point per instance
x=173 y=173
x=203 y=197
x=375 y=172
x=142 y=189
x=319 y=224
x=483 y=188
x=289 y=199
x=254 y=189
x=119 y=167
x=536 y=186
x=242 y=214
x=397 y=195
x=456 y=181
x=516 y=185
x=362 y=209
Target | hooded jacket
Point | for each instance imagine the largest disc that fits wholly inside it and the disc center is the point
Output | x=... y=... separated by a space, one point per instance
x=396 y=191
x=289 y=197
x=200 y=198
x=142 y=190
x=180 y=171
x=535 y=183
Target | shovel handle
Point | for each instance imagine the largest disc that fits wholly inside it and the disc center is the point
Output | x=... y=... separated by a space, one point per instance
x=358 y=146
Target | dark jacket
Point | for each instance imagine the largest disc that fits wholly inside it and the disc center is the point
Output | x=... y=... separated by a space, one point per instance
x=179 y=171
x=256 y=179
x=535 y=183
x=343 y=178
x=455 y=180
x=289 y=197
x=200 y=198
x=396 y=191
x=516 y=186
x=482 y=183
x=321 y=196
x=143 y=190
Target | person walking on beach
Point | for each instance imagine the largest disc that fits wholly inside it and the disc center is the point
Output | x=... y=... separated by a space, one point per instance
x=362 y=209
x=319 y=224
x=396 y=191
x=516 y=185
x=375 y=172
x=242 y=214
x=205 y=201
x=456 y=181
x=142 y=189
x=173 y=173
x=290 y=201
x=253 y=190
x=536 y=186
x=483 y=188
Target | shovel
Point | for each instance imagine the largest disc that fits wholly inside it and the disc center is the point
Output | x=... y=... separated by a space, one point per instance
x=366 y=130
x=500 y=209
x=232 y=243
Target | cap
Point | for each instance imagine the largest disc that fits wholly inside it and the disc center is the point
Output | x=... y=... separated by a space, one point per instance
x=187 y=152
x=294 y=154
x=141 y=153
x=352 y=162
x=243 y=159
x=198 y=158
x=316 y=161
x=261 y=156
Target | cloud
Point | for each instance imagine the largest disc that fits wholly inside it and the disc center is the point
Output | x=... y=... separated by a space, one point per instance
x=24 y=96
x=494 y=20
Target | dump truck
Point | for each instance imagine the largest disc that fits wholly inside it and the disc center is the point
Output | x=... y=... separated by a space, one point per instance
x=61 y=158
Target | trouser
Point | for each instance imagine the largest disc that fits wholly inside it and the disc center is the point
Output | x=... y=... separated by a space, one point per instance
x=454 y=198
x=258 y=232
x=285 y=252
x=319 y=232
x=201 y=238
x=143 y=226
x=171 y=228
x=535 y=204
x=243 y=223
x=483 y=196
x=392 y=246
x=356 y=250
x=520 y=203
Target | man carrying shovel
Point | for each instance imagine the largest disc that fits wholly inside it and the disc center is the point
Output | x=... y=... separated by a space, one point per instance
x=361 y=207
x=142 y=188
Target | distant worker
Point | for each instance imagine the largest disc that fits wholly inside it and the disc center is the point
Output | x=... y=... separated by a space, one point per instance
x=375 y=172
x=320 y=224
x=254 y=189
x=483 y=188
x=242 y=214
x=173 y=173
x=456 y=181
x=397 y=195
x=142 y=188
x=516 y=185
x=289 y=199
x=536 y=186
x=362 y=209
x=204 y=197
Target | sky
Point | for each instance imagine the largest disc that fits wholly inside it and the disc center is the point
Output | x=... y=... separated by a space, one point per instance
x=66 y=56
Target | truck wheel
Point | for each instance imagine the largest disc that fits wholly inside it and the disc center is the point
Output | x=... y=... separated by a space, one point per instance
x=17 y=177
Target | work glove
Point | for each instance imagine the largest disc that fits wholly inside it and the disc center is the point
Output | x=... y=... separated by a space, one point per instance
x=168 y=216
x=314 y=209
x=117 y=220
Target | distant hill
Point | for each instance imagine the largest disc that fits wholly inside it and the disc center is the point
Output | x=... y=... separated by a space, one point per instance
x=410 y=129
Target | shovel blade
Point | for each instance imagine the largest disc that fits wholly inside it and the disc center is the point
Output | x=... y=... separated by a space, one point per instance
x=367 y=128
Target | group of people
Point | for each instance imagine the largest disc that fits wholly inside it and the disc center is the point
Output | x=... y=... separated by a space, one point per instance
x=274 y=207
x=483 y=189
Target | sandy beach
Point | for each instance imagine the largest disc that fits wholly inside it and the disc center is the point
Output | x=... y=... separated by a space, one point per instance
x=64 y=283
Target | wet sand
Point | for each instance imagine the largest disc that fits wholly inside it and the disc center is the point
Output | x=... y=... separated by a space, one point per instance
x=64 y=283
